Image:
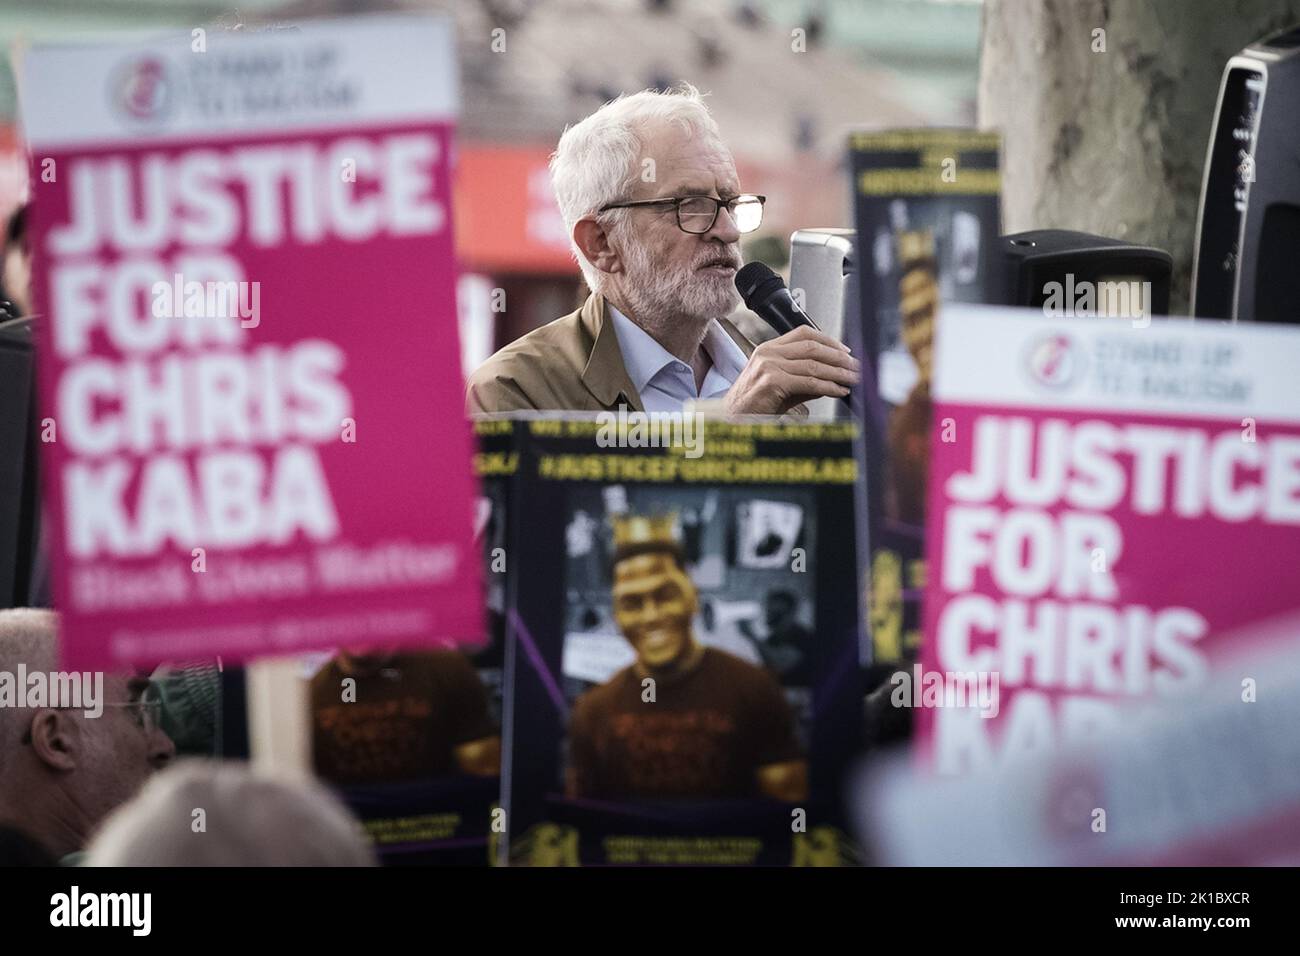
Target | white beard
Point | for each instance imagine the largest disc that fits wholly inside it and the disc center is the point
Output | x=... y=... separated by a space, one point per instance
x=661 y=298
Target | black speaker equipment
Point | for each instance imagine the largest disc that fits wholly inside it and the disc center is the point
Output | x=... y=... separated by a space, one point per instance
x=21 y=581
x=1046 y=265
x=1248 y=226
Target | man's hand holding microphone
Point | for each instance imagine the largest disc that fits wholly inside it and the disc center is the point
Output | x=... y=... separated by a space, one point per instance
x=801 y=364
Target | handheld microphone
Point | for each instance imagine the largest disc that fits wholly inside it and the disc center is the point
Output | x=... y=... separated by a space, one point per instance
x=765 y=295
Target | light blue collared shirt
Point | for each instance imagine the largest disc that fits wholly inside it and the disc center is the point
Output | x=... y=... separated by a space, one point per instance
x=664 y=381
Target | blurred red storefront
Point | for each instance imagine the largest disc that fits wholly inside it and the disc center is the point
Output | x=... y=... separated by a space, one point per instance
x=13 y=170
x=517 y=273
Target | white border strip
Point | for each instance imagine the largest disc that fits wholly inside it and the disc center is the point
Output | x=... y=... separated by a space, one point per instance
x=992 y=355
x=394 y=68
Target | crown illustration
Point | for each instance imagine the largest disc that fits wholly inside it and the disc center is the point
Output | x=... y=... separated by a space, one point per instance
x=636 y=534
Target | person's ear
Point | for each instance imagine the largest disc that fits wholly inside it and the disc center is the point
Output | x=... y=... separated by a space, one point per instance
x=593 y=239
x=56 y=738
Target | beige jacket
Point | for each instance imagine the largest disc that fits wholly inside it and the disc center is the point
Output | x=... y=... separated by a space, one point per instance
x=571 y=364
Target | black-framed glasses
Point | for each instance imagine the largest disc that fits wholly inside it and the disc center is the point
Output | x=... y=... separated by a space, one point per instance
x=145 y=709
x=697 y=214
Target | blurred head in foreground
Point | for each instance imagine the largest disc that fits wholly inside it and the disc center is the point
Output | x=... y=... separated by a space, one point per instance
x=64 y=768
x=208 y=813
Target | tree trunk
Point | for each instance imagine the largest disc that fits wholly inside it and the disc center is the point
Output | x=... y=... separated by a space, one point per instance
x=1106 y=132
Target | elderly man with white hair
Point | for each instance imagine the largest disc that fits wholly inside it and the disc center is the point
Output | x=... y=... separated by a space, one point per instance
x=652 y=201
x=62 y=770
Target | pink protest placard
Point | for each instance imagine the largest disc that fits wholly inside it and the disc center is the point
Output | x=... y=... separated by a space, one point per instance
x=1116 y=516
x=249 y=375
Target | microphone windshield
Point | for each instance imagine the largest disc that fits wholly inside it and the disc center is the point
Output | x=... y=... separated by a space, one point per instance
x=755 y=282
